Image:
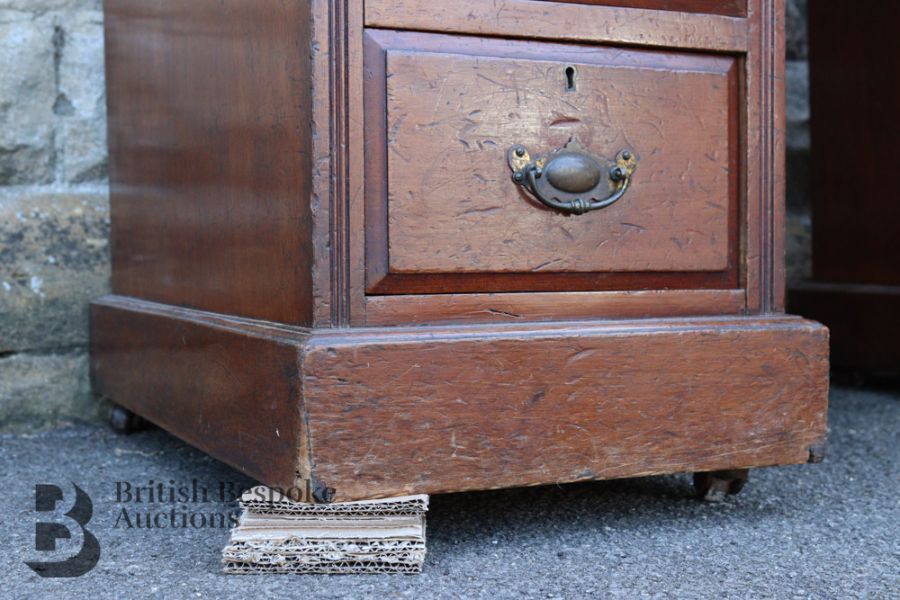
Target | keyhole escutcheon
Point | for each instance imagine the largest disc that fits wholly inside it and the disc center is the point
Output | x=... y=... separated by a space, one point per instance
x=570 y=79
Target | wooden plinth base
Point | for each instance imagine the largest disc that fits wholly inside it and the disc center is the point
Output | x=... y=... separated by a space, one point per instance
x=863 y=320
x=368 y=413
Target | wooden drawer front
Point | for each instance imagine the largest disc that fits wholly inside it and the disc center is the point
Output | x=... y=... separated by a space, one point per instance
x=443 y=212
x=732 y=8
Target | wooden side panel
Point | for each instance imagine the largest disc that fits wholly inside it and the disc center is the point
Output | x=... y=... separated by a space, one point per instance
x=210 y=154
x=855 y=94
x=855 y=88
x=221 y=386
x=456 y=410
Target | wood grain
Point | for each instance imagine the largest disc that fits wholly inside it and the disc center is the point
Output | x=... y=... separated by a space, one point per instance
x=228 y=387
x=195 y=223
x=249 y=140
x=563 y=21
x=454 y=109
x=376 y=412
x=512 y=308
x=759 y=166
x=733 y=8
x=764 y=124
x=425 y=411
x=756 y=167
x=210 y=154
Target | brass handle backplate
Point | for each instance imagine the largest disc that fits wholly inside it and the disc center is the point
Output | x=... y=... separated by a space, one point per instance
x=570 y=179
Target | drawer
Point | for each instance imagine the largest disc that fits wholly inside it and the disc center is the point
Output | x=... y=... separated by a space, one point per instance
x=733 y=8
x=443 y=213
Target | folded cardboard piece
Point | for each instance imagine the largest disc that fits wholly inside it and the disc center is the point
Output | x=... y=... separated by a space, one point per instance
x=278 y=535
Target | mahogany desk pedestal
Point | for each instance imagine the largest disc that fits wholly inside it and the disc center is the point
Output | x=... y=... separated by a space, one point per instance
x=374 y=248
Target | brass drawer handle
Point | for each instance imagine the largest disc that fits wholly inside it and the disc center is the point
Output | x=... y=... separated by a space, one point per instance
x=570 y=179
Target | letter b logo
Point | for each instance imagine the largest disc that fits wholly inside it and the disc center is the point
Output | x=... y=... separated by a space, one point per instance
x=46 y=533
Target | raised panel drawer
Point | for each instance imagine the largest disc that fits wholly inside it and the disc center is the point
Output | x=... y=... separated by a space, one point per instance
x=442 y=211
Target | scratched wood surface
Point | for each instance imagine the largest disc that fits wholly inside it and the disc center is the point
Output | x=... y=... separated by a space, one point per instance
x=429 y=413
x=756 y=42
x=632 y=25
x=733 y=8
x=454 y=109
x=378 y=412
x=193 y=223
x=545 y=306
x=251 y=177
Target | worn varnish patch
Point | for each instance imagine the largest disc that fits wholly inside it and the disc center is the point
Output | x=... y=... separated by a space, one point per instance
x=451 y=411
x=451 y=110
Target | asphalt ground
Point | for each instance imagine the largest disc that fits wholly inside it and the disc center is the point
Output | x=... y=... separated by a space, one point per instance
x=812 y=531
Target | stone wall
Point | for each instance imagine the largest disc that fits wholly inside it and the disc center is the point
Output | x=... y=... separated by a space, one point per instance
x=54 y=209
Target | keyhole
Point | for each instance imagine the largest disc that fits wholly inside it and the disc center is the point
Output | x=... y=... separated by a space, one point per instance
x=570 y=79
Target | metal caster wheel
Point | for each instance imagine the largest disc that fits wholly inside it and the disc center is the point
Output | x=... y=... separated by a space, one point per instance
x=715 y=486
x=124 y=421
